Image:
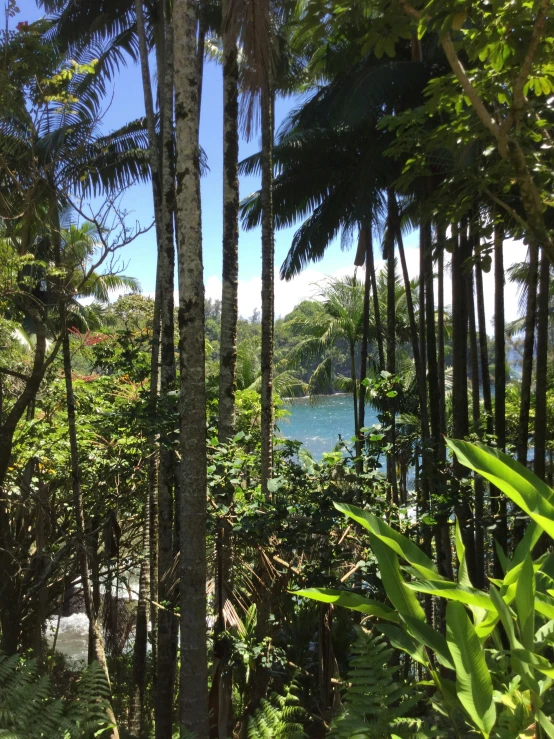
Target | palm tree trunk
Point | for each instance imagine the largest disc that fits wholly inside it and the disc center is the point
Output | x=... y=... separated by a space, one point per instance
x=366 y=235
x=354 y=380
x=376 y=308
x=193 y=688
x=221 y=683
x=167 y=626
x=95 y=633
x=528 y=349
x=522 y=441
x=268 y=288
x=542 y=367
x=479 y=580
x=498 y=499
x=483 y=346
x=441 y=238
x=391 y=346
x=460 y=419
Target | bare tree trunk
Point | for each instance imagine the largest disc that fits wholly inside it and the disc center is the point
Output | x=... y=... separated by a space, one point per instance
x=498 y=499
x=268 y=268
x=441 y=238
x=193 y=689
x=220 y=694
x=376 y=308
x=95 y=633
x=460 y=419
x=479 y=580
x=167 y=627
x=391 y=346
x=540 y=437
x=522 y=441
x=366 y=236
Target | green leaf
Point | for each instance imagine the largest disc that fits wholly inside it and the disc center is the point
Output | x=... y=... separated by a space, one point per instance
x=393 y=539
x=463 y=577
x=401 y=640
x=525 y=605
x=451 y=591
x=525 y=489
x=353 y=601
x=402 y=598
x=473 y=680
x=427 y=635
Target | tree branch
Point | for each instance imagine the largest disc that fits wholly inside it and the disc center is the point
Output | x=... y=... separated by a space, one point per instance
x=457 y=67
x=525 y=71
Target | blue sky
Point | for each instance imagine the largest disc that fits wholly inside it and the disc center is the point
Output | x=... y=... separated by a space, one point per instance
x=127 y=103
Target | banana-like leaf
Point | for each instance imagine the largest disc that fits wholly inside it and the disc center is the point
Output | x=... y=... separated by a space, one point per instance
x=525 y=605
x=525 y=489
x=400 y=595
x=427 y=635
x=463 y=577
x=539 y=663
x=401 y=640
x=526 y=545
x=544 y=604
x=473 y=680
x=394 y=539
x=353 y=601
x=452 y=591
x=546 y=724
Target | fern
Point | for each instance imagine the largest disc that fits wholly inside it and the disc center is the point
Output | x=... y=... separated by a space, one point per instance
x=377 y=703
x=279 y=717
x=29 y=711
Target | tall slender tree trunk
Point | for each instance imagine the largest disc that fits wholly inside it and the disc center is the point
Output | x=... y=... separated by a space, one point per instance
x=367 y=238
x=268 y=286
x=193 y=688
x=483 y=346
x=168 y=469
x=441 y=238
x=460 y=419
x=376 y=309
x=391 y=344
x=498 y=499
x=540 y=436
x=522 y=441
x=528 y=350
x=478 y=484
x=220 y=694
x=148 y=572
x=95 y=633
x=162 y=164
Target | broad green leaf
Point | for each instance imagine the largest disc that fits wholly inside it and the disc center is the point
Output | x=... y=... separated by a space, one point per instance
x=525 y=489
x=544 y=604
x=525 y=596
x=526 y=545
x=427 y=635
x=546 y=724
x=402 y=598
x=353 y=601
x=394 y=539
x=452 y=591
x=539 y=663
x=463 y=577
x=401 y=640
x=473 y=680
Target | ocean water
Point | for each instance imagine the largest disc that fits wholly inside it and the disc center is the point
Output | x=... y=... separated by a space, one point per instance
x=318 y=423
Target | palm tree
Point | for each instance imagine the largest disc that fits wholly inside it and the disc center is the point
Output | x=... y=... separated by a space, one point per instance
x=193 y=674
